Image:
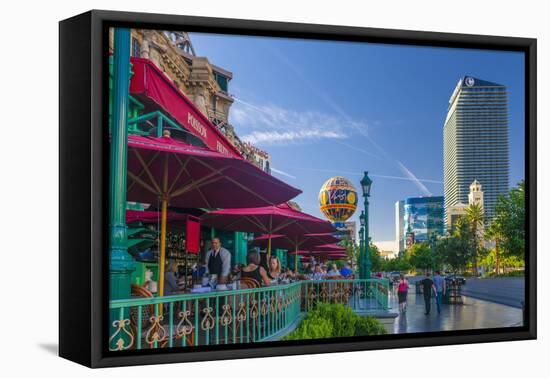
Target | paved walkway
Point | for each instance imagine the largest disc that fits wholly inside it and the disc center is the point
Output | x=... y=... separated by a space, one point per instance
x=473 y=314
x=509 y=291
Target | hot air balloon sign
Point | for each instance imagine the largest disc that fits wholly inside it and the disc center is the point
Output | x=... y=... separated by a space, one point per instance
x=338 y=199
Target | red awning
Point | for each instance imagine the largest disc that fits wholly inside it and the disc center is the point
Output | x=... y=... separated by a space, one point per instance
x=270 y=220
x=150 y=82
x=194 y=177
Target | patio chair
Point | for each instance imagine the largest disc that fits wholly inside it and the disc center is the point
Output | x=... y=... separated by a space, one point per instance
x=249 y=283
x=146 y=313
x=246 y=283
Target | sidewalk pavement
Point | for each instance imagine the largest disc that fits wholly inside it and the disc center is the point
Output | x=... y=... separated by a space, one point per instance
x=473 y=314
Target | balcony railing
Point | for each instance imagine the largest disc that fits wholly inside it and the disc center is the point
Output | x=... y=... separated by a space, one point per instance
x=236 y=316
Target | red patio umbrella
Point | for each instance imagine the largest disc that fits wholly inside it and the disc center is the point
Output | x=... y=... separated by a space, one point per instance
x=330 y=248
x=295 y=242
x=337 y=256
x=151 y=216
x=168 y=171
x=269 y=220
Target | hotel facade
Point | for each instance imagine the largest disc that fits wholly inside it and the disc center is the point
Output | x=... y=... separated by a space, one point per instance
x=476 y=143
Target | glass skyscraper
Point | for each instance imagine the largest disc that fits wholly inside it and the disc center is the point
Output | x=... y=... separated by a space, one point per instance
x=423 y=216
x=475 y=142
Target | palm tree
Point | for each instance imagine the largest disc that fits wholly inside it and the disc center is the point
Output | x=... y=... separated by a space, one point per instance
x=352 y=251
x=495 y=232
x=475 y=217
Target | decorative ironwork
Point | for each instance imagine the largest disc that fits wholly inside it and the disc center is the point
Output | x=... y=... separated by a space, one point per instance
x=241 y=314
x=335 y=293
x=272 y=304
x=324 y=293
x=348 y=292
x=184 y=327
x=254 y=309
x=156 y=332
x=289 y=300
x=208 y=321
x=263 y=307
x=312 y=295
x=120 y=333
x=226 y=317
x=222 y=309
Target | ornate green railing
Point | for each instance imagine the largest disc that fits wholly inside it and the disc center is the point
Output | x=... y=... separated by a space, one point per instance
x=236 y=316
x=360 y=295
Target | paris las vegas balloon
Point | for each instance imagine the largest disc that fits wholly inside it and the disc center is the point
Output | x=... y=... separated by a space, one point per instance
x=338 y=199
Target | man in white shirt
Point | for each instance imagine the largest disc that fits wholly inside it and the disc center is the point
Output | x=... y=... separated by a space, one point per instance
x=218 y=261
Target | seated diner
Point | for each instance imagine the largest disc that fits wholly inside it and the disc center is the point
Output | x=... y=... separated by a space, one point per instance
x=253 y=271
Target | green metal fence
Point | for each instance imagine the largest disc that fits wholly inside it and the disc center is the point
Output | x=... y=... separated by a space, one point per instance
x=236 y=316
x=360 y=295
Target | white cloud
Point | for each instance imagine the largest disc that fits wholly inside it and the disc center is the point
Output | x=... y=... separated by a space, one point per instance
x=274 y=137
x=271 y=124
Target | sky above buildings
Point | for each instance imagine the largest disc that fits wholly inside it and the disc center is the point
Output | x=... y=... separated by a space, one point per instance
x=323 y=108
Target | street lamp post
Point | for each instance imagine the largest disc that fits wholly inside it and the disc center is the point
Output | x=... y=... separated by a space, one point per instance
x=361 y=245
x=366 y=183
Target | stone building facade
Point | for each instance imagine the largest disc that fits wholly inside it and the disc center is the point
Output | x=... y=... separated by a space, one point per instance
x=201 y=81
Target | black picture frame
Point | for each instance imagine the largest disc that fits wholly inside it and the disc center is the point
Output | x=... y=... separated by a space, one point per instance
x=83 y=164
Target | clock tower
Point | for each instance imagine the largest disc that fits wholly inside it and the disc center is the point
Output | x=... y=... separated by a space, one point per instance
x=476 y=194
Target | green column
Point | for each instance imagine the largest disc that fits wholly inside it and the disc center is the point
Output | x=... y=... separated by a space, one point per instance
x=281 y=254
x=240 y=248
x=361 y=262
x=367 y=262
x=121 y=263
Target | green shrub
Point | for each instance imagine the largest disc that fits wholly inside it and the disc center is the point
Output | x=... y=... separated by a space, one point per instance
x=369 y=325
x=313 y=327
x=342 y=318
x=335 y=320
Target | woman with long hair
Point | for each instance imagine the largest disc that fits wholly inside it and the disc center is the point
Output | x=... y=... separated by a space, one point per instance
x=274 y=268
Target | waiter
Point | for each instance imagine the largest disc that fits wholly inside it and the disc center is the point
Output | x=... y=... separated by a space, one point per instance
x=218 y=261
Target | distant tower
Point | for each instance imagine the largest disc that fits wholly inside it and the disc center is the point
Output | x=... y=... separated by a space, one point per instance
x=476 y=143
x=400 y=224
x=476 y=194
x=476 y=197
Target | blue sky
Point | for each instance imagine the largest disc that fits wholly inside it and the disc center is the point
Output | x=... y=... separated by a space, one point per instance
x=323 y=108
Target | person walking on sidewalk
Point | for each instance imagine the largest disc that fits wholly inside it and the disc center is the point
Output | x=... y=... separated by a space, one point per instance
x=427 y=287
x=402 y=291
x=439 y=283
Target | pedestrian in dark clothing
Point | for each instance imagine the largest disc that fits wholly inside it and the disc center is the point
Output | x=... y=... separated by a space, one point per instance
x=439 y=284
x=427 y=288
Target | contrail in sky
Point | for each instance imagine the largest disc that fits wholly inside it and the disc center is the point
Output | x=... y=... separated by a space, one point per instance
x=325 y=97
x=358 y=149
x=282 y=173
x=420 y=180
x=413 y=178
